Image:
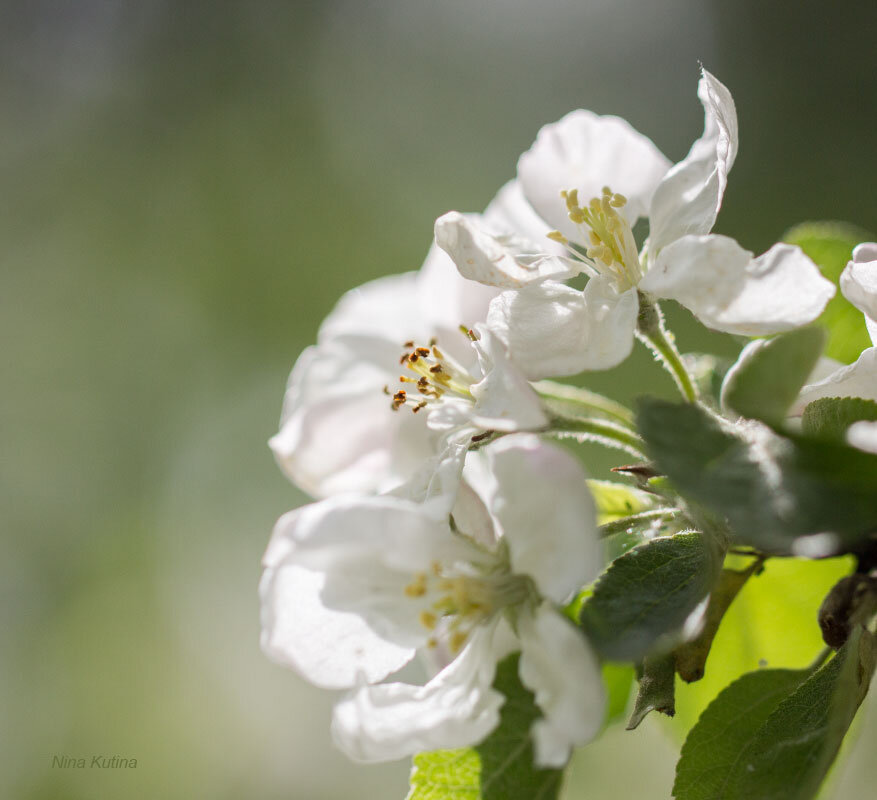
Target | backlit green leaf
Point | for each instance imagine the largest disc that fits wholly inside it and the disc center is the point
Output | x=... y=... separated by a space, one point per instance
x=764 y=383
x=647 y=593
x=830 y=245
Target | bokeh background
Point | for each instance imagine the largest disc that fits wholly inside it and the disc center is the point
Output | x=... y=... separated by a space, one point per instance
x=186 y=190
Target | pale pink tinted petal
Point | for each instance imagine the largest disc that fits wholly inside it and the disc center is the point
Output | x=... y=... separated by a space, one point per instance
x=332 y=649
x=546 y=514
x=457 y=708
x=560 y=668
x=338 y=431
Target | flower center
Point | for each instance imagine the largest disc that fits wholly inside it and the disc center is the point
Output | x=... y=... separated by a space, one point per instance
x=611 y=249
x=462 y=601
x=437 y=375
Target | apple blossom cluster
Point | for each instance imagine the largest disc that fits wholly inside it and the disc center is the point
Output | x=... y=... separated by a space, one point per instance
x=451 y=529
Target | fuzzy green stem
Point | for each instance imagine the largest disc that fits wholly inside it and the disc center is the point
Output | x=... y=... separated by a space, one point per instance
x=562 y=396
x=601 y=431
x=652 y=332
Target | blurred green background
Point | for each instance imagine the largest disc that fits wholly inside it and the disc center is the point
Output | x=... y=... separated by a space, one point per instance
x=186 y=191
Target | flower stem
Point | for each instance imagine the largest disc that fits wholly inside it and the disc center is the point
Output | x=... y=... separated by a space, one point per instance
x=562 y=396
x=601 y=431
x=652 y=332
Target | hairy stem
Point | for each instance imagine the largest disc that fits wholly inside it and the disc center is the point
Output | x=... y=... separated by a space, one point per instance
x=601 y=431
x=652 y=332
x=562 y=396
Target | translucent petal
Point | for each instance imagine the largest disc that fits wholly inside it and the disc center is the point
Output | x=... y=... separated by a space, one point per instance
x=551 y=329
x=586 y=152
x=690 y=195
x=457 y=708
x=546 y=515
x=559 y=667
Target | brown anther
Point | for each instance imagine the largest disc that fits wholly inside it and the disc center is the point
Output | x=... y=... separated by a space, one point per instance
x=404 y=358
x=386 y=390
x=421 y=404
x=413 y=357
x=433 y=342
x=400 y=395
x=423 y=381
x=408 y=345
x=422 y=351
x=435 y=369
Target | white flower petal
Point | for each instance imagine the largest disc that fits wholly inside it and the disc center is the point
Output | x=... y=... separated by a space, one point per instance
x=457 y=708
x=688 y=199
x=866 y=251
x=332 y=649
x=552 y=330
x=728 y=290
x=446 y=300
x=858 y=379
x=510 y=211
x=370 y=549
x=586 y=152
x=493 y=257
x=704 y=273
x=385 y=308
x=504 y=400
x=858 y=283
x=546 y=514
x=559 y=667
x=783 y=290
x=338 y=432
x=863 y=435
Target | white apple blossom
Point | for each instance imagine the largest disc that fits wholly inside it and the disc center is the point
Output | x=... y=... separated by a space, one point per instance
x=554 y=329
x=338 y=430
x=355 y=586
x=858 y=283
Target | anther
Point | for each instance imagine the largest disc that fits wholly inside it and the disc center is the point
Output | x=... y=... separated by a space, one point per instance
x=408 y=345
x=618 y=200
x=428 y=620
x=422 y=351
x=435 y=369
x=557 y=236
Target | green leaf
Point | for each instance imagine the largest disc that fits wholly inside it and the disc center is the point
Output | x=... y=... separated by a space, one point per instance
x=647 y=593
x=772 y=622
x=792 y=751
x=725 y=733
x=501 y=767
x=657 y=689
x=764 y=383
x=830 y=245
x=691 y=656
x=772 y=489
x=617 y=500
x=829 y=417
